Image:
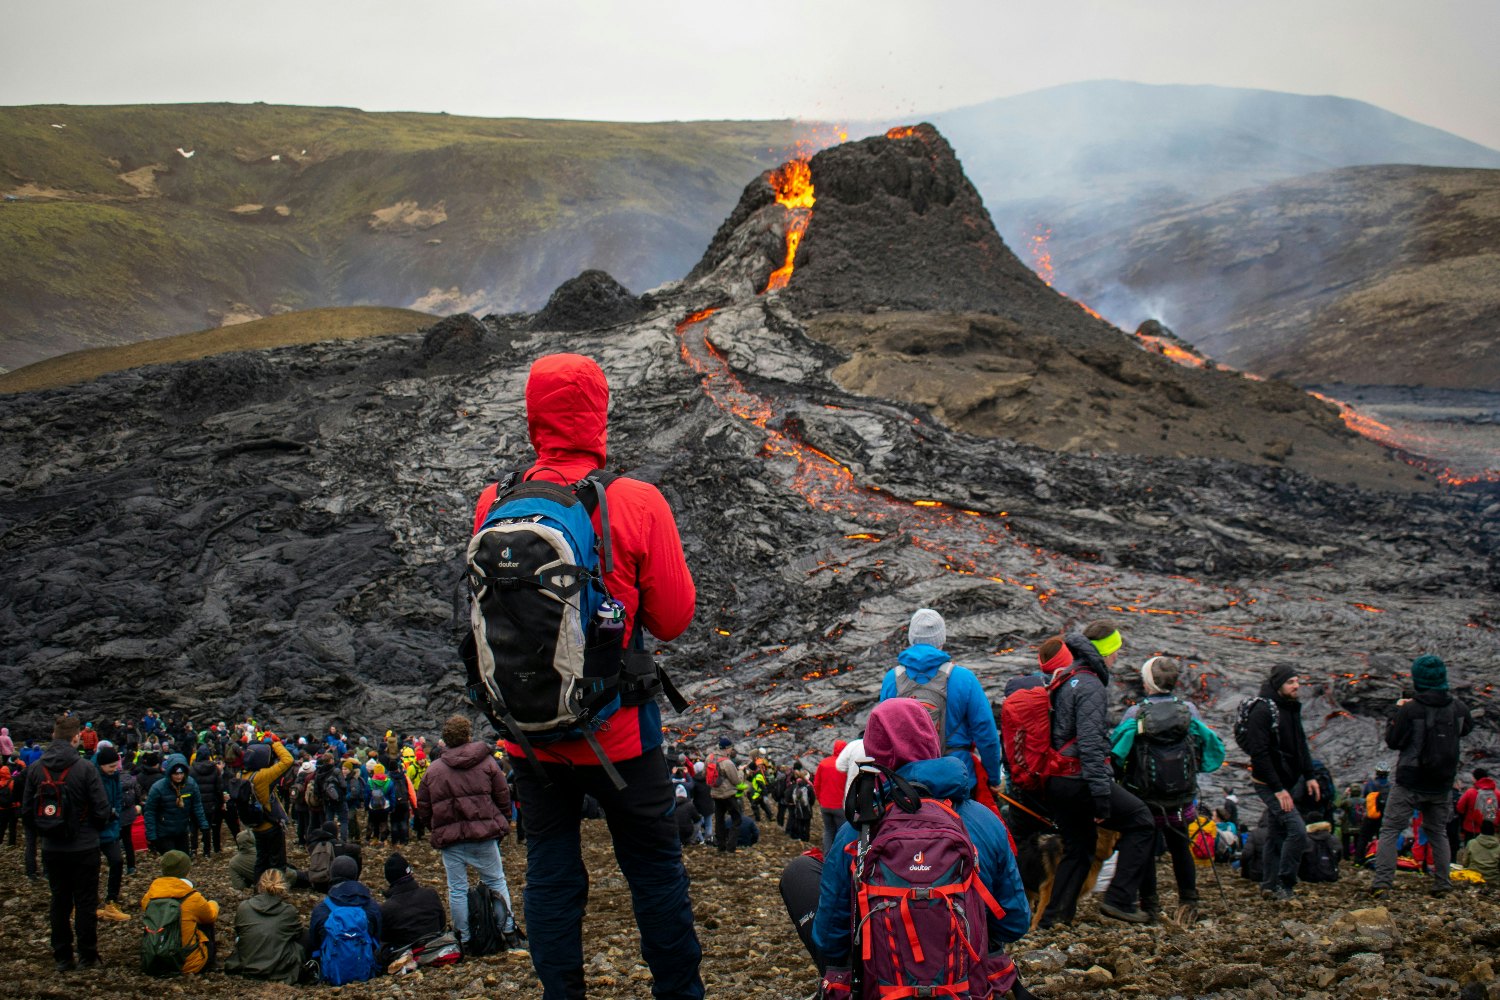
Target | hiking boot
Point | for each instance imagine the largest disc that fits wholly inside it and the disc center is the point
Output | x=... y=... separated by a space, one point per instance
x=1379 y=891
x=64 y=965
x=1187 y=913
x=1280 y=894
x=90 y=962
x=1151 y=907
x=109 y=911
x=1130 y=916
x=130 y=870
x=1440 y=889
x=514 y=940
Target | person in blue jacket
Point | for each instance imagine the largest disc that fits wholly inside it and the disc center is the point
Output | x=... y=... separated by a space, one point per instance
x=173 y=804
x=346 y=890
x=900 y=736
x=967 y=724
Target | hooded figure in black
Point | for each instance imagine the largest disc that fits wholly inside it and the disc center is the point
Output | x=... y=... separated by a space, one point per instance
x=1426 y=730
x=1281 y=771
x=411 y=912
x=1079 y=804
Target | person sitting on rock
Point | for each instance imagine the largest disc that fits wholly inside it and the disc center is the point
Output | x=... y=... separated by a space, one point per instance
x=412 y=912
x=242 y=865
x=198 y=913
x=966 y=727
x=1482 y=854
x=267 y=933
x=347 y=891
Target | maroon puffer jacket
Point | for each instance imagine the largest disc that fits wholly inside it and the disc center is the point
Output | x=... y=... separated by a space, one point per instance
x=464 y=797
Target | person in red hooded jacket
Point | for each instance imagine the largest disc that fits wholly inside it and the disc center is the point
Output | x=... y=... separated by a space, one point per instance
x=567 y=406
x=1478 y=803
x=828 y=786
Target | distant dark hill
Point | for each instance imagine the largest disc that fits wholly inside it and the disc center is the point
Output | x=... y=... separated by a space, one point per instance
x=110 y=234
x=1367 y=275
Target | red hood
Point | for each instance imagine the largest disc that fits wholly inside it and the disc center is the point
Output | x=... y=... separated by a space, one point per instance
x=567 y=410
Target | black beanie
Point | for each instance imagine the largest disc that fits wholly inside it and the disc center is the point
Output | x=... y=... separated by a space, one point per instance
x=106 y=755
x=396 y=868
x=344 y=869
x=1281 y=675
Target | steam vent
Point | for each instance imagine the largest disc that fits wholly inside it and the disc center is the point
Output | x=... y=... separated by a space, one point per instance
x=859 y=403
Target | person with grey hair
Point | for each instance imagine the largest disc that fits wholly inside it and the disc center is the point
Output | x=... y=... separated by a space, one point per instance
x=1162 y=745
x=954 y=698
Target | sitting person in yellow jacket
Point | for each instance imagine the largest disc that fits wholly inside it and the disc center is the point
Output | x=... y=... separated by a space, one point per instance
x=198 y=913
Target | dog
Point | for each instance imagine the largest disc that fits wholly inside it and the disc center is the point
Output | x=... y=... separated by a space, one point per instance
x=1038 y=856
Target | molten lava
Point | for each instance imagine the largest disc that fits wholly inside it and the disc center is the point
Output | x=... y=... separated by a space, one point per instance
x=794 y=192
x=1041 y=263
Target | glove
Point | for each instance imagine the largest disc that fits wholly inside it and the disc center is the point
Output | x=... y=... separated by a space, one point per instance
x=1101 y=807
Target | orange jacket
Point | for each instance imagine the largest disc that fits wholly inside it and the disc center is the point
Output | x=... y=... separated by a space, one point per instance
x=196 y=912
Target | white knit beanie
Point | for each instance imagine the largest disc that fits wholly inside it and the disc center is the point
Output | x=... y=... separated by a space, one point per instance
x=927 y=628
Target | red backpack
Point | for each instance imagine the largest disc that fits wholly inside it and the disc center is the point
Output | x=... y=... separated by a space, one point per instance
x=711 y=771
x=920 y=909
x=1026 y=733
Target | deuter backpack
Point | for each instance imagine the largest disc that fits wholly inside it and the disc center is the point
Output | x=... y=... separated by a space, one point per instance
x=162 y=950
x=53 y=816
x=347 y=954
x=932 y=695
x=1026 y=732
x=539 y=664
x=1162 y=769
x=920 y=903
x=1242 y=720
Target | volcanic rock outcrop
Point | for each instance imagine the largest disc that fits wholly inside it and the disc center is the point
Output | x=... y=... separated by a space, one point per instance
x=293 y=547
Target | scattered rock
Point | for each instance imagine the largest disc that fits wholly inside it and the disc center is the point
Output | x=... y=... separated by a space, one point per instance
x=1366 y=930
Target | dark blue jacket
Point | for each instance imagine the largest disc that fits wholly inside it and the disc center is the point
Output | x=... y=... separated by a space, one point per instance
x=969 y=721
x=114 y=792
x=171 y=808
x=945 y=777
x=348 y=893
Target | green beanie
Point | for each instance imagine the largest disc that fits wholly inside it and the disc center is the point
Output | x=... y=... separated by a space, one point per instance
x=1429 y=673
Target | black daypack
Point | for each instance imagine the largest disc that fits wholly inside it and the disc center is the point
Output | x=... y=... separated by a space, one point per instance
x=1320 y=862
x=1163 y=764
x=1242 y=720
x=53 y=817
x=1438 y=758
x=485 y=937
x=246 y=806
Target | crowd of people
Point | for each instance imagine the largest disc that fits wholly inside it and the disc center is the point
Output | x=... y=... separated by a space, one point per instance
x=939 y=835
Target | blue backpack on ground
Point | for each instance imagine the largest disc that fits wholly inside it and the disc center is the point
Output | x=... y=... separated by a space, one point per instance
x=347 y=954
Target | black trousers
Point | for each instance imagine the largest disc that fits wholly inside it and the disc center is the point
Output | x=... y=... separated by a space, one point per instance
x=270 y=850
x=114 y=856
x=73 y=877
x=9 y=820
x=800 y=883
x=727 y=829
x=173 y=842
x=1172 y=840
x=1072 y=807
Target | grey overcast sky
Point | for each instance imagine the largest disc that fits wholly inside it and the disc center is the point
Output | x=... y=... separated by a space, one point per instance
x=1437 y=61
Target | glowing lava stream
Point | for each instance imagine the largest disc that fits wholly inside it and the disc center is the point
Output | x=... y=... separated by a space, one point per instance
x=966 y=542
x=794 y=191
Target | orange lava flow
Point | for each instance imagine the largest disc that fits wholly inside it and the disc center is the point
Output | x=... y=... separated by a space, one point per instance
x=901 y=132
x=794 y=192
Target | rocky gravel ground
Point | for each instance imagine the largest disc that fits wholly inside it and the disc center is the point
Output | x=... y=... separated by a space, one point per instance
x=1329 y=942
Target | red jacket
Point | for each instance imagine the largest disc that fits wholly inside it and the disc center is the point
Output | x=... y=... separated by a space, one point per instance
x=1468 y=807
x=567 y=408
x=828 y=780
x=464 y=797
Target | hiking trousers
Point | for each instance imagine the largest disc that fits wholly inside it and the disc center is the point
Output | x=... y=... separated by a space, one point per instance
x=73 y=877
x=1286 y=842
x=727 y=824
x=1184 y=870
x=643 y=825
x=832 y=820
x=1396 y=820
x=114 y=858
x=1071 y=803
x=270 y=851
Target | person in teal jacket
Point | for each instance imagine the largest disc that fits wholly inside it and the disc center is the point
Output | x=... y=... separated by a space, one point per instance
x=174 y=803
x=1173 y=806
x=966 y=725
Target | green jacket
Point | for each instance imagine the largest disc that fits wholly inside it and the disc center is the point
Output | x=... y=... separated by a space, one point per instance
x=1122 y=741
x=1483 y=855
x=267 y=941
x=242 y=865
